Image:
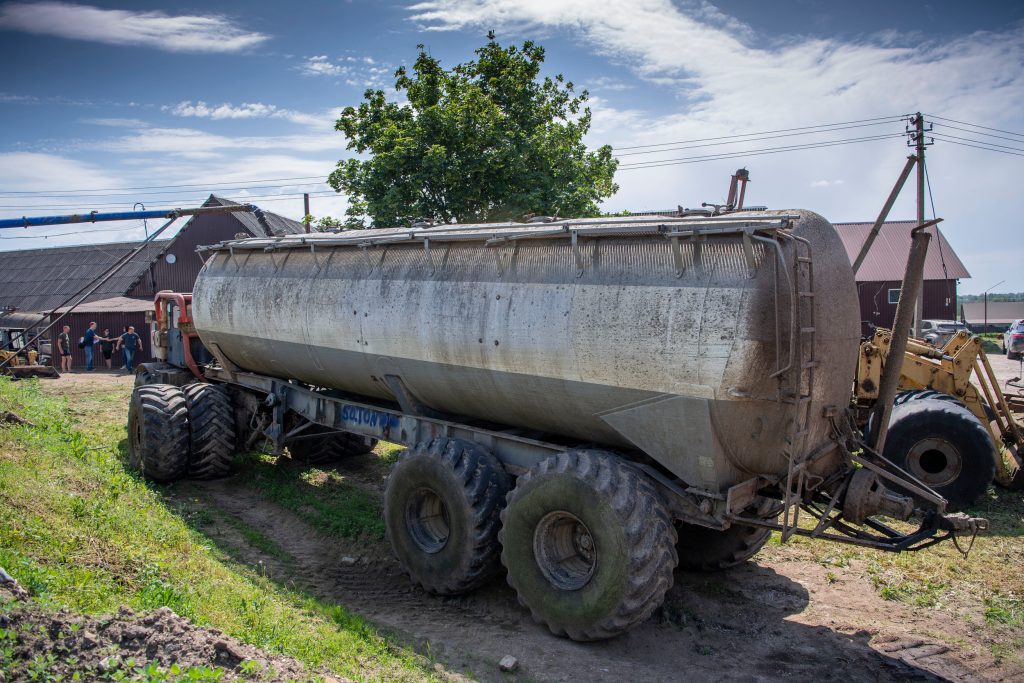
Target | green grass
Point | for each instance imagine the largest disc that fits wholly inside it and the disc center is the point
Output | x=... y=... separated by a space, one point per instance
x=80 y=532
x=321 y=498
x=986 y=589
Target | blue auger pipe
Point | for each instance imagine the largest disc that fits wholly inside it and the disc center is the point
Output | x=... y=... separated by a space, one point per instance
x=95 y=217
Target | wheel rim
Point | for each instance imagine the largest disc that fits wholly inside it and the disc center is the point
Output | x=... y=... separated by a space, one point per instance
x=564 y=550
x=135 y=430
x=426 y=520
x=935 y=461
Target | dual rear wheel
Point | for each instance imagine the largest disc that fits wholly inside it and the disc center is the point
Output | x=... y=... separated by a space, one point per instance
x=584 y=537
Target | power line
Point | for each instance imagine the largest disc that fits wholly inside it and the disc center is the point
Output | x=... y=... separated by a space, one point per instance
x=946 y=136
x=138 y=226
x=964 y=144
x=158 y=192
x=177 y=200
x=757 y=139
x=977 y=132
x=763 y=132
x=975 y=125
x=156 y=187
x=754 y=152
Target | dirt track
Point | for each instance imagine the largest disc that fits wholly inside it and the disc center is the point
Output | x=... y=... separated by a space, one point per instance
x=758 y=622
x=768 y=620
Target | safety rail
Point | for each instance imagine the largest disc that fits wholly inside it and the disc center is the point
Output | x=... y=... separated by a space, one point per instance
x=494 y=234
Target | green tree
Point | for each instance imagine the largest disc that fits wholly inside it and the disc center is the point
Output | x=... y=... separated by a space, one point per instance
x=487 y=140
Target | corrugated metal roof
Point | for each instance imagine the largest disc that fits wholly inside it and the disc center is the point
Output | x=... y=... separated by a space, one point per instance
x=999 y=312
x=887 y=259
x=116 y=304
x=41 y=279
x=279 y=225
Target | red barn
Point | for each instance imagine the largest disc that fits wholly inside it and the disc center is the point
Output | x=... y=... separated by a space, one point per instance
x=880 y=276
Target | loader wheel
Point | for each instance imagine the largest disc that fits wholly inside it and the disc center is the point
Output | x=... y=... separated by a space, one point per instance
x=158 y=432
x=211 y=422
x=944 y=445
x=708 y=550
x=588 y=544
x=441 y=507
x=331 y=447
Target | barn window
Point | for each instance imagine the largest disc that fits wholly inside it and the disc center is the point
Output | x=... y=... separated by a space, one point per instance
x=894 y=296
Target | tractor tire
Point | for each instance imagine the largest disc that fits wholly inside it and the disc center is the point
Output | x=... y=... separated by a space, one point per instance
x=441 y=511
x=331 y=447
x=588 y=544
x=944 y=445
x=211 y=420
x=158 y=432
x=702 y=549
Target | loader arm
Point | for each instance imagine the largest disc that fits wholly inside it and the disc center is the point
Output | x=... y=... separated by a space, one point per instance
x=960 y=369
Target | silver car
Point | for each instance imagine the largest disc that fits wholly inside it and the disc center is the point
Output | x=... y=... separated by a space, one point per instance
x=938 y=332
x=1013 y=340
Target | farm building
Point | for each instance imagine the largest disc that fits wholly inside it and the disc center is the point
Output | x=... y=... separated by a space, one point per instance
x=42 y=281
x=996 y=316
x=880 y=276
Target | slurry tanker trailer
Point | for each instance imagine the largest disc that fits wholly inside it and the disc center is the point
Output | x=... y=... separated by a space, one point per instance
x=588 y=403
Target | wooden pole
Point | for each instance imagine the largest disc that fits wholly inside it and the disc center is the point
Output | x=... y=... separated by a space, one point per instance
x=919 y=302
x=305 y=210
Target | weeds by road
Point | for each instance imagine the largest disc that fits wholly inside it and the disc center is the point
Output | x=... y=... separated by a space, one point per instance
x=82 y=533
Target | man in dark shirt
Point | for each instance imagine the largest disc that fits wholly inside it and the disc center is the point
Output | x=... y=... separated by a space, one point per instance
x=88 y=340
x=64 y=349
x=130 y=342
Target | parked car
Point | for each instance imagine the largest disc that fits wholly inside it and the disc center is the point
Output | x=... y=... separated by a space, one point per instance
x=938 y=332
x=1013 y=340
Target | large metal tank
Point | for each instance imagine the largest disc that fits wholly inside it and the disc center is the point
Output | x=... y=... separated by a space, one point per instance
x=620 y=336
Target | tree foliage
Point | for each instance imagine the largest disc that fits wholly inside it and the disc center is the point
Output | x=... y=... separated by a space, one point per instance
x=487 y=140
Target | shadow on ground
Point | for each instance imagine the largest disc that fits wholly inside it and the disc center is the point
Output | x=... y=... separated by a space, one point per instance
x=734 y=625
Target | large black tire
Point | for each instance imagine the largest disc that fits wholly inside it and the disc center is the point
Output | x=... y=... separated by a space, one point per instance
x=588 y=544
x=441 y=510
x=211 y=422
x=331 y=447
x=158 y=432
x=944 y=445
x=702 y=549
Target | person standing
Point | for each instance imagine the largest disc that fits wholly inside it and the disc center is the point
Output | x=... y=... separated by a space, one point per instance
x=64 y=349
x=107 y=346
x=130 y=342
x=89 y=339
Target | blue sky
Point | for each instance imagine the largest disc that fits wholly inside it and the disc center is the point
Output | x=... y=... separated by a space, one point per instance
x=111 y=97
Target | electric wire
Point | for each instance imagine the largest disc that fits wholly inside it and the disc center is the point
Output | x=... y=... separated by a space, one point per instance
x=763 y=132
x=756 y=139
x=156 y=187
x=181 y=201
x=978 y=132
x=754 y=152
x=93 y=231
x=938 y=238
x=974 y=125
x=964 y=144
x=947 y=136
x=212 y=188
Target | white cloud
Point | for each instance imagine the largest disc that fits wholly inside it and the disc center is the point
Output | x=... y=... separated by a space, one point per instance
x=114 y=122
x=358 y=72
x=246 y=110
x=714 y=72
x=180 y=33
x=320 y=65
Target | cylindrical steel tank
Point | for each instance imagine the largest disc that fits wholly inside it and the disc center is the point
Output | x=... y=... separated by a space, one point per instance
x=623 y=336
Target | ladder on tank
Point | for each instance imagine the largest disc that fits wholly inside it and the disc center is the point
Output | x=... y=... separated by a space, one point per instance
x=797 y=382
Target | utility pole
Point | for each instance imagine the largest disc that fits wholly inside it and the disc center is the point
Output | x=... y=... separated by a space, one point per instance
x=305 y=210
x=917 y=137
